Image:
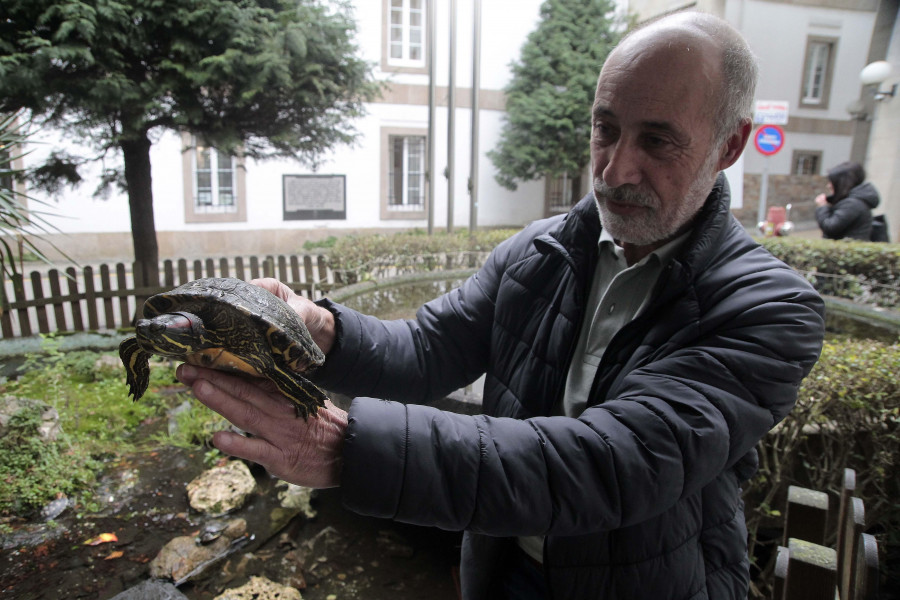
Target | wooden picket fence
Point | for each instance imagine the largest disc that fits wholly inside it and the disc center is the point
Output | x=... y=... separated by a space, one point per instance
x=807 y=566
x=105 y=297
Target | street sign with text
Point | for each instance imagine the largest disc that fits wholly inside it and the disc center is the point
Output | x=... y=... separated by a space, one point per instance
x=771 y=112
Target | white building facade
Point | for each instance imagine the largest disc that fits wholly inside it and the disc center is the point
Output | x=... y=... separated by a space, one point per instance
x=208 y=204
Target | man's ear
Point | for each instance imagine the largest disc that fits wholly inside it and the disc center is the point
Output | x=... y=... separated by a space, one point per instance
x=734 y=145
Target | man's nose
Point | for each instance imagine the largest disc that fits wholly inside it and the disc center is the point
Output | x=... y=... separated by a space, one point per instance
x=622 y=165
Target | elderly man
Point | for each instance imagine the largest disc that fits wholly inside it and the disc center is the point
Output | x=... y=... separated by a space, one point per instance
x=635 y=351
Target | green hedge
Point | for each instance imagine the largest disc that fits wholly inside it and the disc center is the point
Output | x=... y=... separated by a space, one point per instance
x=867 y=273
x=860 y=271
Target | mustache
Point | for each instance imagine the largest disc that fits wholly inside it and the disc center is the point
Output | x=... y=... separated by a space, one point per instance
x=624 y=194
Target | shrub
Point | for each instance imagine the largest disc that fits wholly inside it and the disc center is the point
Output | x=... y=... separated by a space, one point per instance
x=860 y=271
x=97 y=417
x=35 y=471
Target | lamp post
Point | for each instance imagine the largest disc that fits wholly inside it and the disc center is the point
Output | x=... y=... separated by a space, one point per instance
x=876 y=73
x=883 y=149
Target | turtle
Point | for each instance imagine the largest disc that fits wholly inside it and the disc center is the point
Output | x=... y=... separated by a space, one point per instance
x=231 y=325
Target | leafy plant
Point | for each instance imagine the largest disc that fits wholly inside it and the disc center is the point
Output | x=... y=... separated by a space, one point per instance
x=19 y=214
x=194 y=426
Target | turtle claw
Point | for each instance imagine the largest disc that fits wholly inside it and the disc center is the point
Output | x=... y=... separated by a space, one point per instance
x=306 y=396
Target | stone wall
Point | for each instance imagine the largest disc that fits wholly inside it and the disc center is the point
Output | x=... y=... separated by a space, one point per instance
x=798 y=190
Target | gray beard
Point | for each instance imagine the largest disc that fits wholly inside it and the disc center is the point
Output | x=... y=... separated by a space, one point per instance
x=656 y=222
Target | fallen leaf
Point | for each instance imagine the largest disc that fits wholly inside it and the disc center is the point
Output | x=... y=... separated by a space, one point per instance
x=116 y=554
x=103 y=538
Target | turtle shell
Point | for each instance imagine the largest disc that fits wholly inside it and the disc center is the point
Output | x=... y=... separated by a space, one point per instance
x=227 y=324
x=244 y=318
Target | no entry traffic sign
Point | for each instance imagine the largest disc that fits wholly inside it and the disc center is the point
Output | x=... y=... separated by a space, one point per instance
x=769 y=139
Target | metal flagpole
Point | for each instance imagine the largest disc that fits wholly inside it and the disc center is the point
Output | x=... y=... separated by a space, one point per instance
x=476 y=88
x=451 y=119
x=429 y=157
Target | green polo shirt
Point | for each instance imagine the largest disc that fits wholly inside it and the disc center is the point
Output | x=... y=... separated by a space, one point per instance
x=618 y=293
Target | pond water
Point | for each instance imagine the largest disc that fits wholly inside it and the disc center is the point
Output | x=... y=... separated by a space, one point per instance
x=335 y=554
x=401 y=301
x=843 y=318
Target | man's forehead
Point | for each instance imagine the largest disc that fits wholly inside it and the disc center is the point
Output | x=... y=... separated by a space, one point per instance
x=661 y=70
x=667 y=42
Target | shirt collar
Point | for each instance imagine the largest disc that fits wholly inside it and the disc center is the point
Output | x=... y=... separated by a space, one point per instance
x=663 y=254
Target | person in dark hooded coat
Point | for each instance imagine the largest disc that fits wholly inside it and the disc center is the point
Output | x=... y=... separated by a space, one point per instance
x=846 y=210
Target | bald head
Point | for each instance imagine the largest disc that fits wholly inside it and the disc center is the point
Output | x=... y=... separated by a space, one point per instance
x=731 y=98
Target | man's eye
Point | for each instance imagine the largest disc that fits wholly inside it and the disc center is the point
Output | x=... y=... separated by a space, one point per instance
x=657 y=143
x=602 y=131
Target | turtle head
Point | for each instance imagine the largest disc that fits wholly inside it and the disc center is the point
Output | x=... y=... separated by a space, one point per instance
x=171 y=334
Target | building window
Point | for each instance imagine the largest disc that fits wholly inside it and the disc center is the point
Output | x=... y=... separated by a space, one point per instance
x=406 y=179
x=806 y=162
x=6 y=178
x=214 y=180
x=403 y=174
x=11 y=164
x=558 y=194
x=561 y=193
x=817 y=72
x=404 y=36
x=214 y=184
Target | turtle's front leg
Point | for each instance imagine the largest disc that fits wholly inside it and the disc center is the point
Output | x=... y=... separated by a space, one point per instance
x=306 y=395
x=137 y=367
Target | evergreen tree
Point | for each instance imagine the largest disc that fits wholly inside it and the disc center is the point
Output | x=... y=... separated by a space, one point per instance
x=268 y=77
x=547 y=128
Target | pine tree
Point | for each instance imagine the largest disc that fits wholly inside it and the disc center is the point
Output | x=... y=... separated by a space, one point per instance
x=271 y=77
x=547 y=128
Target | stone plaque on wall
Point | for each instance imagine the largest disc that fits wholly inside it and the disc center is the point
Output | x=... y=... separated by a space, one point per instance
x=308 y=197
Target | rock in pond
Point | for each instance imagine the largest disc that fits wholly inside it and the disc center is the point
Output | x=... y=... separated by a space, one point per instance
x=49 y=429
x=260 y=588
x=151 y=590
x=187 y=556
x=296 y=497
x=221 y=489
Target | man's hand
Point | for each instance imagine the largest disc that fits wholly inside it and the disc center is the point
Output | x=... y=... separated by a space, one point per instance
x=306 y=453
x=318 y=320
x=821 y=200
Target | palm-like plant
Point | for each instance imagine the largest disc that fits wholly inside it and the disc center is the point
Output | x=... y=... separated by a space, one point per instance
x=20 y=224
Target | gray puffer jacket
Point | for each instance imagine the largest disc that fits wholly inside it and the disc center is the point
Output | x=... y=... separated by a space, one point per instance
x=850 y=217
x=639 y=498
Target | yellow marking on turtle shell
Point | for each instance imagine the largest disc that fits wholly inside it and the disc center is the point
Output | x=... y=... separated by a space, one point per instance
x=219 y=358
